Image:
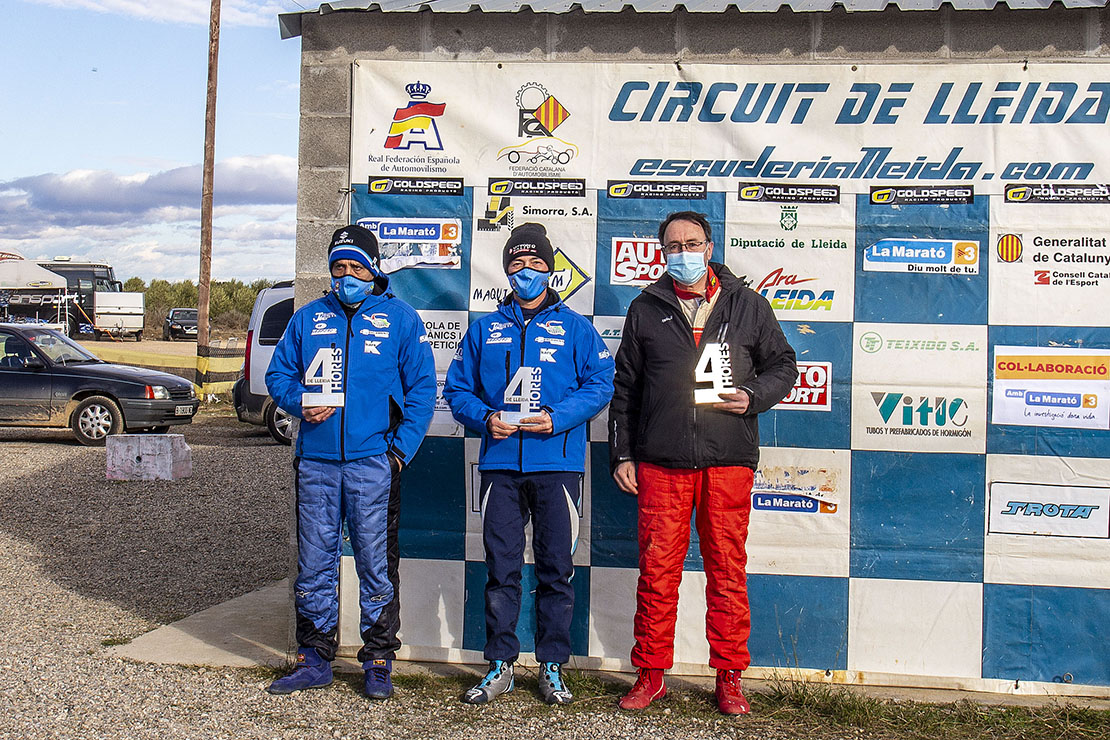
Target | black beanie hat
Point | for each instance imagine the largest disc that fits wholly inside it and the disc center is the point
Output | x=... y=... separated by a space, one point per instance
x=529 y=238
x=354 y=243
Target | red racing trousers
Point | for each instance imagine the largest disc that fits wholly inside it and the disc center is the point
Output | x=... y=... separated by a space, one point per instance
x=721 y=498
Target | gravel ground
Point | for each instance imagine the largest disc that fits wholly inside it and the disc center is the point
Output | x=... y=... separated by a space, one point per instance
x=88 y=563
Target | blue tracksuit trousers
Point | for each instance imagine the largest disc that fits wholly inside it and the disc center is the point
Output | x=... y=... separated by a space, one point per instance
x=508 y=499
x=366 y=494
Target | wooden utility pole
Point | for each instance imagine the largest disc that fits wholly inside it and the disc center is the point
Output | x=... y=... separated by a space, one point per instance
x=204 y=283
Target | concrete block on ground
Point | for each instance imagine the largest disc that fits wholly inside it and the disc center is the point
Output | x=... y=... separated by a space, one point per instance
x=148 y=457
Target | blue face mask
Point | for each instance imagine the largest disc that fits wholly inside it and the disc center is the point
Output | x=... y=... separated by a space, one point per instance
x=529 y=284
x=352 y=291
x=686 y=267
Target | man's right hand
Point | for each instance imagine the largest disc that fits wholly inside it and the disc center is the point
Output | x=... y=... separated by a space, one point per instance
x=317 y=414
x=499 y=429
x=625 y=476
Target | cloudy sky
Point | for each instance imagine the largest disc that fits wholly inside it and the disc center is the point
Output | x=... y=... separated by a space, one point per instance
x=103 y=125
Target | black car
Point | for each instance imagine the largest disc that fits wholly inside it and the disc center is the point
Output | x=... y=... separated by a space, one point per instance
x=180 y=323
x=48 y=380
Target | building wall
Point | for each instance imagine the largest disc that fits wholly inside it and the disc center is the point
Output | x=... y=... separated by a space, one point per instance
x=331 y=42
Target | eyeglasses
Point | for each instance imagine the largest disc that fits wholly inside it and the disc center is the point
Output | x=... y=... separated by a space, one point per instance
x=676 y=247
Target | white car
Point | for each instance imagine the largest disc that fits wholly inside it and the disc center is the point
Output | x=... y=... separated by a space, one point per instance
x=273 y=308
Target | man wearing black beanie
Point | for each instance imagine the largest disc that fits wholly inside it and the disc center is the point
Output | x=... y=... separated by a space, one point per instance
x=365 y=350
x=529 y=377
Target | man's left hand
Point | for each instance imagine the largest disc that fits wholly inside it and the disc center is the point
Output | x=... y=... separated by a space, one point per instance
x=539 y=424
x=736 y=403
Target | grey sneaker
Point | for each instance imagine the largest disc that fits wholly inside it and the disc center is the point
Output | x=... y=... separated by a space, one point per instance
x=552 y=688
x=499 y=680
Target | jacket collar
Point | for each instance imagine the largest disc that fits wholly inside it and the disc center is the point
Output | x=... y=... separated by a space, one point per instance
x=663 y=288
x=511 y=309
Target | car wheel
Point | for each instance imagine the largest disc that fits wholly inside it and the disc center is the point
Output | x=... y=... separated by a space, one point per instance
x=138 y=336
x=94 y=419
x=97 y=335
x=280 y=424
x=165 y=336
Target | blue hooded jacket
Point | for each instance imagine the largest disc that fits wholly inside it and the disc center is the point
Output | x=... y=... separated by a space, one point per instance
x=388 y=377
x=574 y=371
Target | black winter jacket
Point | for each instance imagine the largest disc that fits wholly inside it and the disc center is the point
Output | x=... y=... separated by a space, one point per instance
x=653 y=418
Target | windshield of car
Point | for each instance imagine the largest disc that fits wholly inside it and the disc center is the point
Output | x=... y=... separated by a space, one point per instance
x=185 y=314
x=60 y=349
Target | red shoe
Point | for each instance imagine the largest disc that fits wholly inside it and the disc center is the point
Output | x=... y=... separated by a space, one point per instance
x=730 y=694
x=649 y=687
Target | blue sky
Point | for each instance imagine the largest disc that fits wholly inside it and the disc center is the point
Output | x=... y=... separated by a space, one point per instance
x=103 y=122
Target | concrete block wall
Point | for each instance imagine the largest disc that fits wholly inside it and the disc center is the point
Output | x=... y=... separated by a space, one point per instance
x=331 y=42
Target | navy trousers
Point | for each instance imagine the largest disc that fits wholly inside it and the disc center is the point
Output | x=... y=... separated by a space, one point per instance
x=366 y=494
x=551 y=500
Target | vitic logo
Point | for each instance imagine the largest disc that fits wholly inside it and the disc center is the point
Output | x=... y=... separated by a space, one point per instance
x=928 y=411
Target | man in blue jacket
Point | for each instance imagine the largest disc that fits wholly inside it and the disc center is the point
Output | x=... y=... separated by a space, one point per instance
x=356 y=367
x=528 y=377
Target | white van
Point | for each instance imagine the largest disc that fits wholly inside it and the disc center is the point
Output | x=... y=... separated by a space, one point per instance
x=273 y=308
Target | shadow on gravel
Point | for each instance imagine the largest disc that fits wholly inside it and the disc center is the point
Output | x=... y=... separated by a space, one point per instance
x=161 y=550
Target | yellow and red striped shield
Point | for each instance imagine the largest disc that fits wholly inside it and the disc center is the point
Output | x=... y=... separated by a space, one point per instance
x=1009 y=247
x=551 y=113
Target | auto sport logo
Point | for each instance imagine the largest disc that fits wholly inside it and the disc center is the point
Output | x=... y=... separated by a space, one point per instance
x=1009 y=247
x=416 y=186
x=415 y=123
x=1049 y=193
x=922 y=195
x=650 y=190
x=812 y=390
x=755 y=192
x=637 y=261
x=539 y=115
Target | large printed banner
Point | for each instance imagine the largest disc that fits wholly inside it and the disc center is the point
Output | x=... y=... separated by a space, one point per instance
x=932 y=495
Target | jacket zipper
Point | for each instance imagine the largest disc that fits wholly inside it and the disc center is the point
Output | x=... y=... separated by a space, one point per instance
x=520 y=434
x=343 y=409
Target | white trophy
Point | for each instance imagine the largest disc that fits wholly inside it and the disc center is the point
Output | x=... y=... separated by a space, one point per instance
x=325 y=371
x=523 y=391
x=714 y=366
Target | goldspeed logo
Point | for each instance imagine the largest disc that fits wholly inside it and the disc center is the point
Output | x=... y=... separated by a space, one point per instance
x=922 y=194
x=652 y=189
x=1050 y=193
x=788 y=193
x=418 y=185
x=539 y=187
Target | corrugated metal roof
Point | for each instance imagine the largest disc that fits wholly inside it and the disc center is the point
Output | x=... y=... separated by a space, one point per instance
x=290 y=23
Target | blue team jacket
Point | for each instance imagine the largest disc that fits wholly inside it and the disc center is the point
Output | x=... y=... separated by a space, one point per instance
x=388 y=377
x=575 y=380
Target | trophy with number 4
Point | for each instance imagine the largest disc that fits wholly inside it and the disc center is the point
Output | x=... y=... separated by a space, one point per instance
x=523 y=391
x=715 y=366
x=326 y=372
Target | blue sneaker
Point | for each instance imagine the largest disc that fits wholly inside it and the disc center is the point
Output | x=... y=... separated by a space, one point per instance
x=552 y=688
x=310 y=672
x=497 y=681
x=379 y=682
